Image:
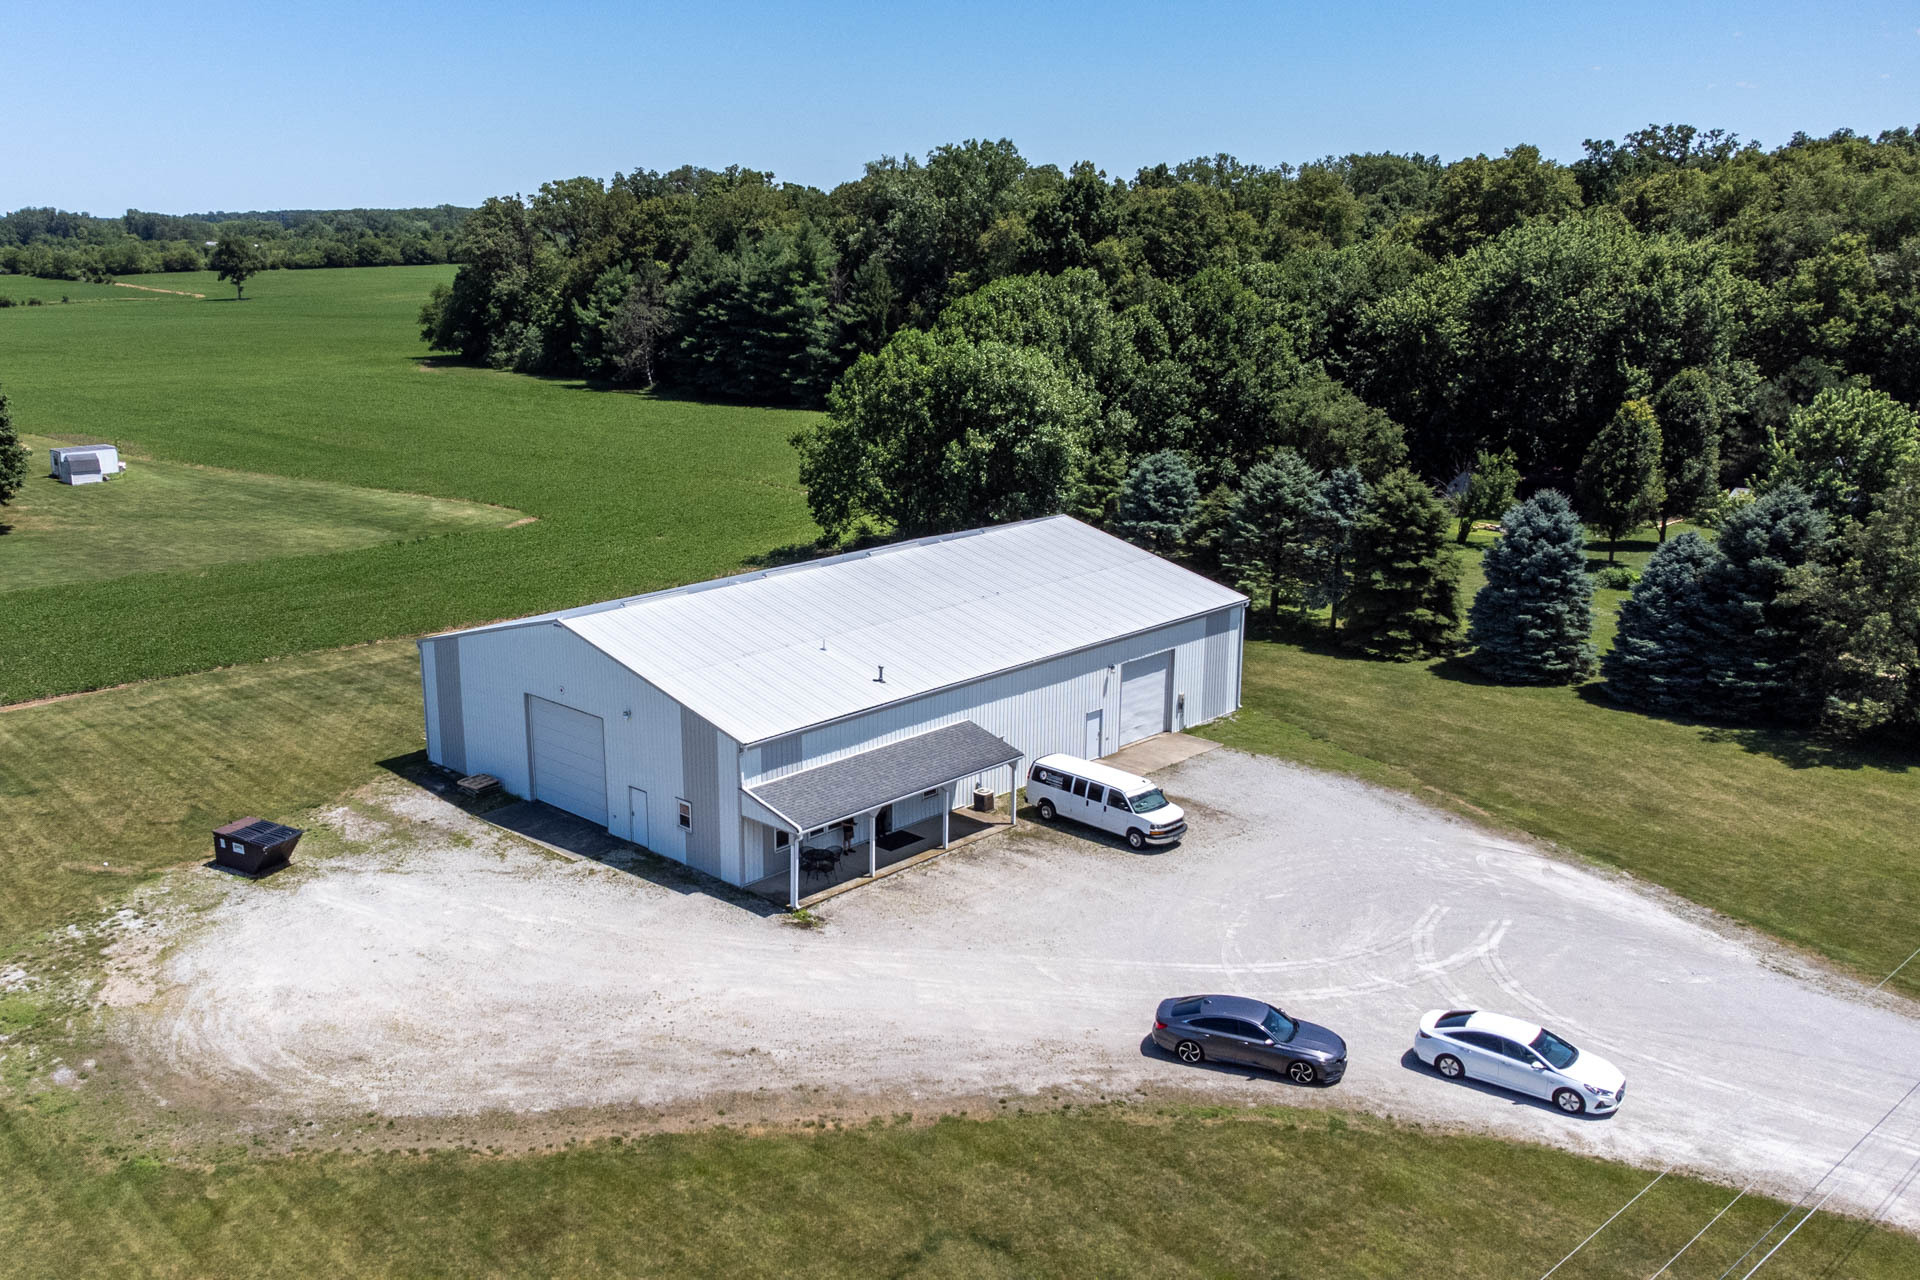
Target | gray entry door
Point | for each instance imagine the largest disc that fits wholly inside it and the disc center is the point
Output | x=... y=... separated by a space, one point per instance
x=568 y=752
x=1093 y=736
x=637 y=817
x=1144 y=687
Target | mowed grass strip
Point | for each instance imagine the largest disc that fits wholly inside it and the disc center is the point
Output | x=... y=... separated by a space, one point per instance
x=159 y=517
x=50 y=292
x=1281 y=1193
x=321 y=375
x=103 y=790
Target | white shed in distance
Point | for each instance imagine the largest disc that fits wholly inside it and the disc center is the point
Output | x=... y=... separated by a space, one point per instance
x=85 y=463
x=684 y=720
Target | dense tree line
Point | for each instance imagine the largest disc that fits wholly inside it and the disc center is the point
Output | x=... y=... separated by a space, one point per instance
x=58 y=245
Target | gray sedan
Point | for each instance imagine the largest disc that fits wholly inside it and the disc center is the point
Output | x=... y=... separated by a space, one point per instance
x=1250 y=1033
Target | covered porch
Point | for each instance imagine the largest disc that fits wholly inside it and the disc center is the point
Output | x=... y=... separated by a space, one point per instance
x=821 y=811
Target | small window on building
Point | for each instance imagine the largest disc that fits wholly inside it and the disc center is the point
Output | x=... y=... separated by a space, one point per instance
x=686 y=815
x=781 y=839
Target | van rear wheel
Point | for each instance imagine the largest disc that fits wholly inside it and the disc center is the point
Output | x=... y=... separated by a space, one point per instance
x=1047 y=811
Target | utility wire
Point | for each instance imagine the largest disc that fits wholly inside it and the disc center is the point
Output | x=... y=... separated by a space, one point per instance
x=1897 y=968
x=1702 y=1231
x=1831 y=1170
x=1603 y=1226
x=1893 y=1196
x=1783 y=1239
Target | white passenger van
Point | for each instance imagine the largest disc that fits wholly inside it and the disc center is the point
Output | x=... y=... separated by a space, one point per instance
x=1104 y=797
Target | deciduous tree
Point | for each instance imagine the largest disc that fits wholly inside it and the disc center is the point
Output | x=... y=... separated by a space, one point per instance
x=1689 y=412
x=1620 y=478
x=1489 y=489
x=13 y=455
x=236 y=259
x=1844 y=448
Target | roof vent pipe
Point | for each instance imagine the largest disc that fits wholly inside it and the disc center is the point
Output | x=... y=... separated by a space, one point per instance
x=882 y=677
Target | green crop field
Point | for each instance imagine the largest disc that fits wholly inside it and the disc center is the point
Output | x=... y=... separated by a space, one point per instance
x=173 y=517
x=51 y=292
x=320 y=375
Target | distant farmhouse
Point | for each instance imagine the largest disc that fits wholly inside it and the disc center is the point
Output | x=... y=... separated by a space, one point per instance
x=86 y=463
x=723 y=724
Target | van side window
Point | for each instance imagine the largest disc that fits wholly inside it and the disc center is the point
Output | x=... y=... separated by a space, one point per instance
x=1080 y=787
x=1117 y=801
x=1049 y=777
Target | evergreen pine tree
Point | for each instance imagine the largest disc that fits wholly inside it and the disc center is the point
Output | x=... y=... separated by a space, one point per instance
x=13 y=455
x=1157 y=502
x=1532 y=623
x=1330 y=534
x=1758 y=637
x=1266 y=538
x=1659 y=659
x=1405 y=602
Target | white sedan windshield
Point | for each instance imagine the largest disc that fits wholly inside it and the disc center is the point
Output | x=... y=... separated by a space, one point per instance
x=1148 y=801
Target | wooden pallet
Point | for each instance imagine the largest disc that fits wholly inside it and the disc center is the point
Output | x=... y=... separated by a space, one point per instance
x=476 y=785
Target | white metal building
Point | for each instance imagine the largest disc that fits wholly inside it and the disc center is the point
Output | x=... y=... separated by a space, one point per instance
x=85 y=463
x=720 y=723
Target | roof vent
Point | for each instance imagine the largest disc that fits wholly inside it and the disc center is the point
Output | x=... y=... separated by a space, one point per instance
x=882 y=677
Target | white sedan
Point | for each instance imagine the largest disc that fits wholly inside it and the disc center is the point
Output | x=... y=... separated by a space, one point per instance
x=1522 y=1056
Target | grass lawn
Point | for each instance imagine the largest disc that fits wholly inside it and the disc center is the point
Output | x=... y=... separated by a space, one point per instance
x=50 y=292
x=169 y=517
x=1280 y=1193
x=1814 y=844
x=320 y=375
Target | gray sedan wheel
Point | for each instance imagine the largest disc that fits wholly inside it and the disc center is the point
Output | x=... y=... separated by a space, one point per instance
x=1449 y=1066
x=1569 y=1101
x=1302 y=1072
x=1188 y=1052
x=1047 y=811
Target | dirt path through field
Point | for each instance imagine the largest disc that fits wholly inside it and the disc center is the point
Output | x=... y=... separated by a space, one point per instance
x=147 y=288
x=448 y=969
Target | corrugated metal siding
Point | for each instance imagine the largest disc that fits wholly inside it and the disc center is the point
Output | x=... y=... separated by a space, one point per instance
x=1222 y=656
x=429 y=699
x=446 y=688
x=1039 y=709
x=700 y=788
x=498 y=668
x=795 y=648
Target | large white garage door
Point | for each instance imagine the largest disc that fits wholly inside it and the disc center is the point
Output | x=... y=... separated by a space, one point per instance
x=1143 y=697
x=569 y=759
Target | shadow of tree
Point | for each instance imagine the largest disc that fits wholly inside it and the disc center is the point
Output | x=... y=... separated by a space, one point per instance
x=1796 y=748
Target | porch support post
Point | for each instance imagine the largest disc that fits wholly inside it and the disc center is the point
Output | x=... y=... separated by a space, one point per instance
x=946 y=819
x=873 y=844
x=1013 y=793
x=793 y=873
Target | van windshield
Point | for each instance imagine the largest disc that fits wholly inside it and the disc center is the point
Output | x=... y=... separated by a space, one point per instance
x=1148 y=801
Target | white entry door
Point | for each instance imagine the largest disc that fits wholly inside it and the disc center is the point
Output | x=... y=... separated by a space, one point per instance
x=1093 y=735
x=637 y=817
x=568 y=752
x=1144 y=689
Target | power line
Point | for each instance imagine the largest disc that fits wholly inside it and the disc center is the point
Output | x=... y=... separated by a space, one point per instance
x=1894 y=1193
x=1603 y=1226
x=1702 y=1231
x=1831 y=1170
x=1897 y=968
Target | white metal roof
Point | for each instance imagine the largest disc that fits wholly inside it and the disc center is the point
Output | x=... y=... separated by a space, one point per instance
x=764 y=654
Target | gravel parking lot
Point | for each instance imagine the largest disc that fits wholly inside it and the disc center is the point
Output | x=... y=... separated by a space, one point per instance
x=447 y=969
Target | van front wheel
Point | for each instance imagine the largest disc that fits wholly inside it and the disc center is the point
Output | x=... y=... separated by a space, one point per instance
x=1046 y=810
x=1136 y=839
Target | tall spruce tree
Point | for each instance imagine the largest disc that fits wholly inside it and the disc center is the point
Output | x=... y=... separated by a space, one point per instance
x=1266 y=542
x=1157 y=502
x=1759 y=637
x=1660 y=660
x=13 y=455
x=1405 y=602
x=1619 y=481
x=1330 y=538
x=1532 y=623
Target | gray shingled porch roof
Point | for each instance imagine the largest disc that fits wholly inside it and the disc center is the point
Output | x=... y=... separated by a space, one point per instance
x=815 y=797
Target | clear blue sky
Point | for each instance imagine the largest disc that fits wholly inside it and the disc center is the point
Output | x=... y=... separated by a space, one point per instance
x=221 y=106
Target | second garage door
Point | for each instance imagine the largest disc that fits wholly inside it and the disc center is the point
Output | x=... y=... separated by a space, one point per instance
x=1143 y=697
x=569 y=757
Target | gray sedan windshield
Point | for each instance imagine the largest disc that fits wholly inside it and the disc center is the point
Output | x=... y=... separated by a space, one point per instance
x=1148 y=801
x=1558 y=1053
x=1279 y=1026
